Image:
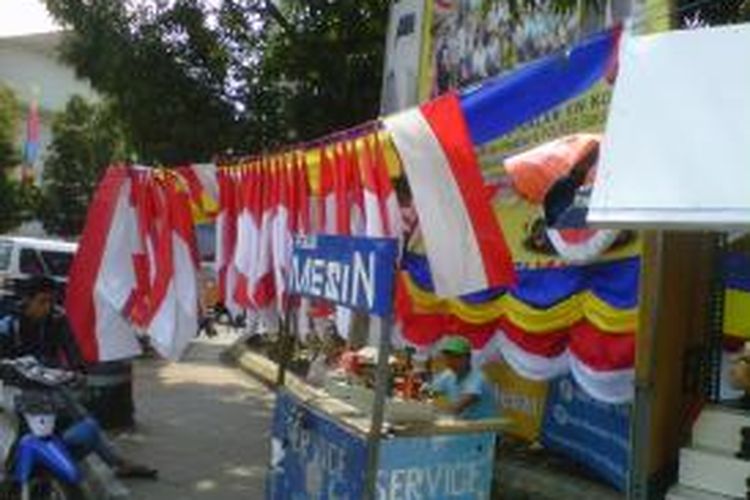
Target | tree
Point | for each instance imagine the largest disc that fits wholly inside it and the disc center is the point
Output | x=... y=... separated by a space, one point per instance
x=10 y=199
x=191 y=78
x=87 y=138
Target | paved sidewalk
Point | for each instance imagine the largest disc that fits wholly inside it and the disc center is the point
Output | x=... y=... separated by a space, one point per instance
x=204 y=425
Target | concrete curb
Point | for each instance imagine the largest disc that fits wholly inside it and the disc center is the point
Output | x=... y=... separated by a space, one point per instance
x=254 y=364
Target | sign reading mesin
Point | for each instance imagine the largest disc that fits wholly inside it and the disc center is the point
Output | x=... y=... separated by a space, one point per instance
x=353 y=272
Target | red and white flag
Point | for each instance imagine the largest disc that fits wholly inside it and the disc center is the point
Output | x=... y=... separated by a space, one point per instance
x=249 y=214
x=262 y=275
x=327 y=218
x=102 y=276
x=302 y=186
x=355 y=190
x=174 y=317
x=283 y=222
x=463 y=239
x=226 y=239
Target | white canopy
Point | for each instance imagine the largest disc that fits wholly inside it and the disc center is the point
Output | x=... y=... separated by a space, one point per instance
x=676 y=151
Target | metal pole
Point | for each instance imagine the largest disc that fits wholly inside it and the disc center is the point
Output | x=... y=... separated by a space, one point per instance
x=378 y=408
x=287 y=345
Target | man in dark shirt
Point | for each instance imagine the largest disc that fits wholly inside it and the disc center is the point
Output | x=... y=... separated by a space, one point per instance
x=29 y=326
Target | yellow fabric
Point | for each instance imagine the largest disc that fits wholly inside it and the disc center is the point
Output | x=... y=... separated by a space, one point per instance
x=206 y=210
x=521 y=400
x=580 y=306
x=737 y=313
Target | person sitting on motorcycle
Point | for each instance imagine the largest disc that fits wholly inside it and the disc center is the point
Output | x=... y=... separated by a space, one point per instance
x=31 y=328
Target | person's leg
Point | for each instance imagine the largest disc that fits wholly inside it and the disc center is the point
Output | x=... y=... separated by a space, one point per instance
x=86 y=437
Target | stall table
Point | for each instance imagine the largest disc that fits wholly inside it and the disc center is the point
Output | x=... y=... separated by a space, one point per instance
x=319 y=451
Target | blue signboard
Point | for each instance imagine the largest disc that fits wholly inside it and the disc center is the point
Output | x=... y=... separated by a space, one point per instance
x=455 y=467
x=354 y=272
x=593 y=433
x=312 y=457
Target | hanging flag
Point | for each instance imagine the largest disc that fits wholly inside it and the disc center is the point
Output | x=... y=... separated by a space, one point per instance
x=261 y=275
x=226 y=239
x=463 y=239
x=102 y=276
x=341 y=191
x=282 y=229
x=386 y=194
x=31 y=147
x=375 y=224
x=201 y=181
x=327 y=197
x=302 y=183
x=248 y=232
x=354 y=185
x=174 y=318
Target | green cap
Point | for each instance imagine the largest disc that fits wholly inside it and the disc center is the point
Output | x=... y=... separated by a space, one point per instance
x=457 y=345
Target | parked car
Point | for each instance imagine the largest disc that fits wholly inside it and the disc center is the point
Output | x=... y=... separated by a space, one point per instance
x=22 y=257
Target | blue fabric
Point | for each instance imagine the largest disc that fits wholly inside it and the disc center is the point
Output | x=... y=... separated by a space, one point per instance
x=737 y=271
x=615 y=282
x=474 y=383
x=502 y=104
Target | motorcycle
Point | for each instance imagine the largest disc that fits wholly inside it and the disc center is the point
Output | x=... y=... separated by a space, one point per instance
x=39 y=464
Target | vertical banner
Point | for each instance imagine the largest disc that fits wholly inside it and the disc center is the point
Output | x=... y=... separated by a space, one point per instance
x=402 y=56
x=312 y=457
x=594 y=434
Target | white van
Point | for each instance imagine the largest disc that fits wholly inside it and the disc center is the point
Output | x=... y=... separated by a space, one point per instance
x=23 y=257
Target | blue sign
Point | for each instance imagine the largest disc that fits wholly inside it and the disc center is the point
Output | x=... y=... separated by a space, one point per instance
x=455 y=467
x=312 y=457
x=592 y=433
x=354 y=272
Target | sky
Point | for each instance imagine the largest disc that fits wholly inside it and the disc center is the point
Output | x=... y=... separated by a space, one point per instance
x=22 y=17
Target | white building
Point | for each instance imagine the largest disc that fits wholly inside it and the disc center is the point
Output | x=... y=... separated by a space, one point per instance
x=29 y=64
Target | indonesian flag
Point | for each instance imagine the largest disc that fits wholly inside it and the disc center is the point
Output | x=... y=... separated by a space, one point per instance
x=102 y=276
x=261 y=278
x=202 y=185
x=226 y=239
x=355 y=191
x=248 y=228
x=327 y=201
x=382 y=214
x=302 y=185
x=283 y=222
x=174 y=318
x=463 y=239
x=341 y=190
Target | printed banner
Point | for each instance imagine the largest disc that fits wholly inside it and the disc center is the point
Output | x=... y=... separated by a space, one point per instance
x=458 y=467
x=590 y=432
x=521 y=400
x=312 y=457
x=354 y=272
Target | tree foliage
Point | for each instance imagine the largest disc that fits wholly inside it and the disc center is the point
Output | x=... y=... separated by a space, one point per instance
x=191 y=78
x=86 y=139
x=10 y=198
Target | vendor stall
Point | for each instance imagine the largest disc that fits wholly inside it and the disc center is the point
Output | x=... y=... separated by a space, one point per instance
x=348 y=440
